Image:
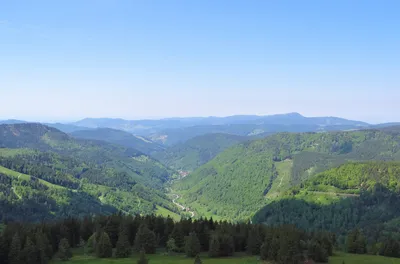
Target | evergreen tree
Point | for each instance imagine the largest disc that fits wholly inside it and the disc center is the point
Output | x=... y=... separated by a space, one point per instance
x=29 y=252
x=103 y=246
x=264 y=251
x=14 y=255
x=192 y=245
x=171 y=246
x=289 y=247
x=142 y=258
x=145 y=239
x=226 y=245
x=178 y=235
x=91 y=244
x=197 y=260
x=43 y=248
x=317 y=252
x=361 y=244
x=254 y=241
x=123 y=248
x=86 y=228
x=64 y=250
x=351 y=243
x=213 y=251
x=3 y=250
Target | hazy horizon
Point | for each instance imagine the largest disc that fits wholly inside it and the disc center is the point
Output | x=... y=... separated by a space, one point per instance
x=64 y=61
x=71 y=120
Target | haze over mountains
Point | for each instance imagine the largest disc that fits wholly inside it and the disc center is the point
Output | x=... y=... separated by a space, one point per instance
x=236 y=168
x=170 y=131
x=316 y=173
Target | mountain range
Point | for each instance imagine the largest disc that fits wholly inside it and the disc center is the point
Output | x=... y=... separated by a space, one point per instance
x=241 y=168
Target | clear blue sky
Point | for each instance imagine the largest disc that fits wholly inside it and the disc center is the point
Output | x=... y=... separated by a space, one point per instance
x=64 y=60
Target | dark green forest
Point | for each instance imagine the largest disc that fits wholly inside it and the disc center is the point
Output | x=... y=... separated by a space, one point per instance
x=364 y=196
x=39 y=243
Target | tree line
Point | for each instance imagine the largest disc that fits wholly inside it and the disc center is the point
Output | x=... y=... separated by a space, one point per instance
x=121 y=236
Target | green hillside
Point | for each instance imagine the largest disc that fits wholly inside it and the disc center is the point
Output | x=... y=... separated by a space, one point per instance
x=197 y=151
x=91 y=172
x=355 y=195
x=119 y=137
x=243 y=178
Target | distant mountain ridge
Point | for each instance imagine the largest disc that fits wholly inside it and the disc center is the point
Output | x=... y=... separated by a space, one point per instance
x=171 y=131
x=119 y=137
x=168 y=123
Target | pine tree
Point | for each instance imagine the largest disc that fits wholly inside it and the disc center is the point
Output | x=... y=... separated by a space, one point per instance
x=178 y=235
x=123 y=248
x=351 y=241
x=361 y=244
x=3 y=250
x=226 y=244
x=14 y=255
x=317 y=252
x=213 y=251
x=145 y=239
x=29 y=252
x=142 y=258
x=264 y=251
x=192 y=245
x=171 y=246
x=254 y=241
x=197 y=260
x=64 y=250
x=274 y=249
x=43 y=248
x=91 y=244
x=103 y=246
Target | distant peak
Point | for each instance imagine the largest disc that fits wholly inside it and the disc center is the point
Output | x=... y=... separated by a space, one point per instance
x=294 y=114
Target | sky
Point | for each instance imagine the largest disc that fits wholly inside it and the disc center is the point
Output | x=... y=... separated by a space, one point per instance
x=71 y=59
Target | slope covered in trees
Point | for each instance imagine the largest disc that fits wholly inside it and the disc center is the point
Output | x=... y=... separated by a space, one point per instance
x=93 y=172
x=197 y=151
x=243 y=178
x=119 y=137
x=364 y=196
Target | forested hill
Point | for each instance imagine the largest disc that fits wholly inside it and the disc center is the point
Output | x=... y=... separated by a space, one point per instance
x=47 y=169
x=119 y=137
x=355 y=195
x=197 y=151
x=243 y=178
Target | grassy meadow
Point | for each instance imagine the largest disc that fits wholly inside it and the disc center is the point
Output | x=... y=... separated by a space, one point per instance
x=239 y=259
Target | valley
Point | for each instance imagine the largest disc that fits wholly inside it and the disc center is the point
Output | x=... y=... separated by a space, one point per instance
x=333 y=181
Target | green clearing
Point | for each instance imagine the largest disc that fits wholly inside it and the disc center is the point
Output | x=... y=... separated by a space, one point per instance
x=284 y=170
x=362 y=259
x=26 y=177
x=162 y=259
x=15 y=174
x=165 y=213
x=7 y=152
